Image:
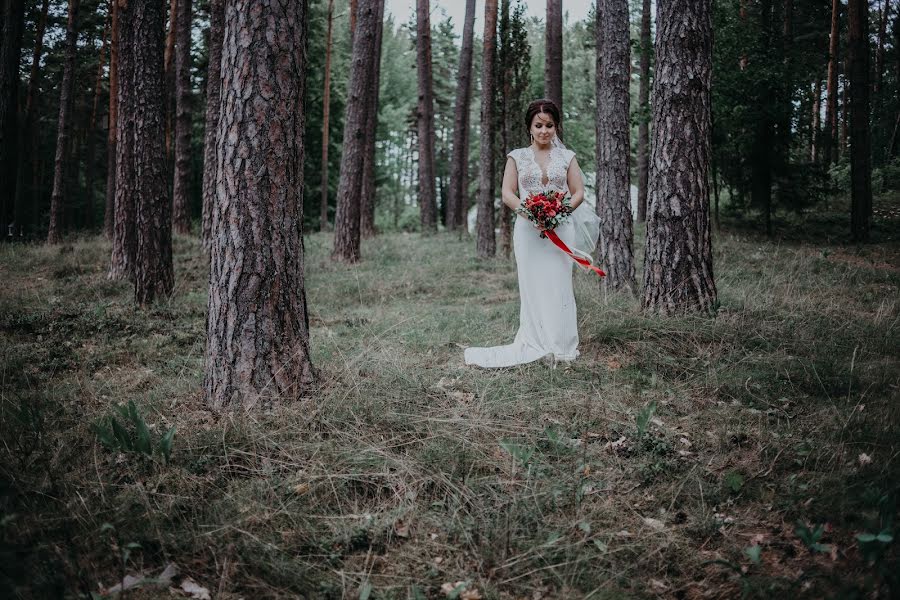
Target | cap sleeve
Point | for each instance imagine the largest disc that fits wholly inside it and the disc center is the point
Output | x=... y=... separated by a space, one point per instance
x=568 y=155
x=514 y=154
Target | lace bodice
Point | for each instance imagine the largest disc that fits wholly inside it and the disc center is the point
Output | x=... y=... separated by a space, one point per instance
x=530 y=175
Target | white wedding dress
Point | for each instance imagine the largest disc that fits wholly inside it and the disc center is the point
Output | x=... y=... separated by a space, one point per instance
x=548 y=322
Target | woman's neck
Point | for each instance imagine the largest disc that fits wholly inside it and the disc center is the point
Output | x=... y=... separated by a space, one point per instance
x=538 y=146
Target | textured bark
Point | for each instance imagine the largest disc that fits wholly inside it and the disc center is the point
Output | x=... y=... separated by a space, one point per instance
x=879 y=52
x=845 y=109
x=124 y=240
x=459 y=167
x=829 y=134
x=326 y=110
x=485 y=243
x=181 y=195
x=258 y=326
x=643 y=147
x=613 y=146
x=213 y=96
x=678 y=269
x=54 y=235
x=367 y=200
x=110 y=213
x=860 y=135
x=346 y=219
x=554 y=53
x=10 y=52
x=504 y=40
x=425 y=116
x=354 y=13
x=169 y=62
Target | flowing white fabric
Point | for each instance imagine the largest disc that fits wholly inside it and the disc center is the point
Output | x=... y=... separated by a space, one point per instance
x=548 y=324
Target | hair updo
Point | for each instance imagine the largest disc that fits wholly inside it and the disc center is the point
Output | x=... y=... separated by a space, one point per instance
x=544 y=105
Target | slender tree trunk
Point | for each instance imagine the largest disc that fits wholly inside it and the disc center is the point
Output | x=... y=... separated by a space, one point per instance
x=860 y=137
x=879 y=53
x=257 y=331
x=110 y=214
x=21 y=215
x=181 y=195
x=169 y=62
x=486 y=244
x=613 y=147
x=346 y=220
x=427 y=200
x=459 y=168
x=213 y=98
x=504 y=105
x=354 y=14
x=845 y=109
x=553 y=88
x=829 y=139
x=643 y=149
x=367 y=201
x=817 y=109
x=57 y=200
x=10 y=52
x=326 y=109
x=678 y=268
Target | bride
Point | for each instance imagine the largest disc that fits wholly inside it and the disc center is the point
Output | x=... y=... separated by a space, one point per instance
x=548 y=325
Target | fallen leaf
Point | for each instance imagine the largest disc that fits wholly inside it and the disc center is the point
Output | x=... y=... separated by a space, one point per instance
x=654 y=523
x=195 y=590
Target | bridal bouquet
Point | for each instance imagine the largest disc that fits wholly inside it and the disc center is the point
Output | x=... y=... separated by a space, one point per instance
x=546 y=209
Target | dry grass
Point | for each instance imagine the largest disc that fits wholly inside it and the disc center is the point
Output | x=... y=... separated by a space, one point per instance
x=404 y=470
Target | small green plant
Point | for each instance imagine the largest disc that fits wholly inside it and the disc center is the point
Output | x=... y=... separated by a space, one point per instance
x=873 y=545
x=734 y=481
x=644 y=416
x=811 y=537
x=116 y=436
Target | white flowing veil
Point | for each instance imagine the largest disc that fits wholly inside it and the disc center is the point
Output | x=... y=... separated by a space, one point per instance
x=586 y=222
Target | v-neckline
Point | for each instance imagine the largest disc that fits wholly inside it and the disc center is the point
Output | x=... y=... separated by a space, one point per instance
x=544 y=173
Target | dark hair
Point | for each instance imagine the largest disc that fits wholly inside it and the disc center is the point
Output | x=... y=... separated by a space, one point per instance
x=544 y=105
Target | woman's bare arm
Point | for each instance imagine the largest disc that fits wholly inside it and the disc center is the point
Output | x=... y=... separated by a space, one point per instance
x=510 y=189
x=575 y=183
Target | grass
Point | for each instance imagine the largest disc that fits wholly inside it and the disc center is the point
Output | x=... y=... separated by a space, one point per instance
x=404 y=471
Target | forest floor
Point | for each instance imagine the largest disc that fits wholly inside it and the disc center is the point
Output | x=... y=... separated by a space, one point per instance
x=687 y=457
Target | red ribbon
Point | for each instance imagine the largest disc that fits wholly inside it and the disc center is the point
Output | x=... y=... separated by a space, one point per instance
x=562 y=246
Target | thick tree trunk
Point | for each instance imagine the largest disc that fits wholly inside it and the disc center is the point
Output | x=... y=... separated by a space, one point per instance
x=10 y=52
x=613 y=147
x=459 y=167
x=860 y=138
x=54 y=235
x=678 y=269
x=213 y=97
x=643 y=148
x=257 y=328
x=367 y=201
x=486 y=244
x=346 y=220
x=110 y=213
x=169 y=62
x=829 y=137
x=553 y=58
x=326 y=109
x=426 y=196
x=181 y=195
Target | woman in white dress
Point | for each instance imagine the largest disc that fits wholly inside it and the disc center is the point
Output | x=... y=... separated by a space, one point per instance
x=548 y=324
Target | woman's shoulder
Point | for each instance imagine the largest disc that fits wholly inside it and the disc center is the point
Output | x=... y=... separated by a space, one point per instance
x=516 y=153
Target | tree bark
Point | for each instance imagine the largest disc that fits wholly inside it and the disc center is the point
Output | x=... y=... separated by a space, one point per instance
x=153 y=272
x=110 y=213
x=643 y=148
x=554 y=53
x=829 y=139
x=367 y=202
x=817 y=110
x=613 y=65
x=346 y=220
x=326 y=109
x=427 y=193
x=678 y=268
x=258 y=324
x=213 y=98
x=860 y=135
x=54 y=235
x=181 y=195
x=124 y=243
x=459 y=168
x=504 y=60
x=879 y=53
x=10 y=53
x=169 y=62
x=486 y=244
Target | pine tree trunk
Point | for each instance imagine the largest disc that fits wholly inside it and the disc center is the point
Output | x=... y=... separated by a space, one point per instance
x=353 y=148
x=459 y=167
x=326 y=109
x=367 y=201
x=486 y=244
x=181 y=195
x=879 y=53
x=21 y=215
x=258 y=325
x=643 y=148
x=817 y=110
x=110 y=213
x=169 y=67
x=90 y=166
x=554 y=53
x=845 y=110
x=10 y=53
x=860 y=135
x=505 y=106
x=613 y=146
x=57 y=200
x=426 y=196
x=213 y=98
x=829 y=137
x=354 y=14
x=678 y=269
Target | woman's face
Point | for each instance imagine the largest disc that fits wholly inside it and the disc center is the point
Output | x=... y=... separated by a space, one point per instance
x=543 y=128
